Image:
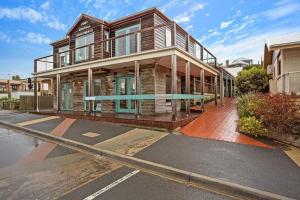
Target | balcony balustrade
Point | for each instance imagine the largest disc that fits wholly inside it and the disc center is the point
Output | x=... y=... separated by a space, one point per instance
x=166 y=35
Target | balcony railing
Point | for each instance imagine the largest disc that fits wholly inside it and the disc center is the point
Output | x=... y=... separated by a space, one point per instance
x=166 y=35
x=289 y=83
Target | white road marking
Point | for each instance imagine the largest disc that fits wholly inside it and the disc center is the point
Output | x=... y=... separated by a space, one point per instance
x=110 y=186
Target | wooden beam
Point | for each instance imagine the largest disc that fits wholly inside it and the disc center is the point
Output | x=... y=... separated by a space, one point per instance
x=36 y=98
x=90 y=88
x=137 y=86
x=202 y=82
x=58 y=93
x=216 y=89
x=187 y=85
x=221 y=88
x=174 y=85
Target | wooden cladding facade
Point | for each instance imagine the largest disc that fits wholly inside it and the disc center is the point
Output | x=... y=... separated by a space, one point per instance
x=151 y=39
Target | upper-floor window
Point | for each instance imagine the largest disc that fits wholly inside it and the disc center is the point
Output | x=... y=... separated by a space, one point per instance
x=127 y=44
x=106 y=44
x=64 y=55
x=84 y=44
x=168 y=37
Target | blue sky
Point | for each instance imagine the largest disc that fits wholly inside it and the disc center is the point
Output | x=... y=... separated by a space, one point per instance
x=229 y=28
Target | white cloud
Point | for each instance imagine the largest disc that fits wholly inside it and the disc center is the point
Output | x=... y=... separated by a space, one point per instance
x=226 y=24
x=282 y=11
x=189 y=27
x=251 y=46
x=4 y=37
x=182 y=18
x=45 y=5
x=21 y=13
x=198 y=6
x=190 y=13
x=36 y=38
x=32 y=16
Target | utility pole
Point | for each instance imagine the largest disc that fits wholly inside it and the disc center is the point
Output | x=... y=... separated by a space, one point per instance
x=8 y=87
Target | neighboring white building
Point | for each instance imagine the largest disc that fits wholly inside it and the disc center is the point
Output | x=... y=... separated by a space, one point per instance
x=237 y=65
x=282 y=60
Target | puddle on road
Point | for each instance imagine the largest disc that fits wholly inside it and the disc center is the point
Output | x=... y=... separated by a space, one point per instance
x=14 y=145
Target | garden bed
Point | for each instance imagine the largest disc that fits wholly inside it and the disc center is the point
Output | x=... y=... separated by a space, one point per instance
x=272 y=116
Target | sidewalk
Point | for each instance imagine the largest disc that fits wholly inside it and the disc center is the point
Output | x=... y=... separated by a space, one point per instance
x=219 y=123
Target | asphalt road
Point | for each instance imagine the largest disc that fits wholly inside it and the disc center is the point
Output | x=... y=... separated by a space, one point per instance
x=265 y=169
x=66 y=174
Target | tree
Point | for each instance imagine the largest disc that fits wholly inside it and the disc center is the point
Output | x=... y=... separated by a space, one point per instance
x=16 y=77
x=252 y=79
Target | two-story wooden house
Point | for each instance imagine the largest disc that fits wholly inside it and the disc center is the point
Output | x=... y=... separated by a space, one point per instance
x=140 y=65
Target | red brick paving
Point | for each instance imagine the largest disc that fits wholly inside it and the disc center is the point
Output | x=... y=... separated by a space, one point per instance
x=219 y=123
x=41 y=151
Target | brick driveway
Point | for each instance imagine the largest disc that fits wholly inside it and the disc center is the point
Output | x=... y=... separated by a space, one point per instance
x=219 y=123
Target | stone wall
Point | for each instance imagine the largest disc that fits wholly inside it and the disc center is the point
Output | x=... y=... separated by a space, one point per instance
x=153 y=81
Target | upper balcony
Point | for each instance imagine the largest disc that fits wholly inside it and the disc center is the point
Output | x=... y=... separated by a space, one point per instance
x=127 y=43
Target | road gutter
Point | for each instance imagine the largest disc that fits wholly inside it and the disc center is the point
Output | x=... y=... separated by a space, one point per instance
x=215 y=185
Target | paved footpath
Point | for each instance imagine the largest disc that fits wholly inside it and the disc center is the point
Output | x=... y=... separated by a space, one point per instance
x=268 y=169
x=219 y=123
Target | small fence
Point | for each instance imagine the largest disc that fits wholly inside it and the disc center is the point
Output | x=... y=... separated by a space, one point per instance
x=27 y=102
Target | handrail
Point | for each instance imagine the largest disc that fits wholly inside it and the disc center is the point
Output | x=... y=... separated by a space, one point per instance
x=205 y=55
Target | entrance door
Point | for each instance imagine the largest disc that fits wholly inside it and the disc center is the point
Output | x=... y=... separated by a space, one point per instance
x=66 y=96
x=125 y=86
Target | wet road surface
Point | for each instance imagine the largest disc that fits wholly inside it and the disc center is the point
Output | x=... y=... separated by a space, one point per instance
x=66 y=174
x=262 y=168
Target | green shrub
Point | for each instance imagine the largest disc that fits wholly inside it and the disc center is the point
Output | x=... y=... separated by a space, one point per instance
x=252 y=79
x=247 y=105
x=252 y=126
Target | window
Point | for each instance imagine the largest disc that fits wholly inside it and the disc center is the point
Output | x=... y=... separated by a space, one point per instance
x=82 y=41
x=127 y=44
x=64 y=58
x=97 y=92
x=198 y=51
x=106 y=44
x=278 y=67
x=168 y=37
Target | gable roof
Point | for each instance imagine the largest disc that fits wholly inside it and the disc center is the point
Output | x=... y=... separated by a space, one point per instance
x=82 y=15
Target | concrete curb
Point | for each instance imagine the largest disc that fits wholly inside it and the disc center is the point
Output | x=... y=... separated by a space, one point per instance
x=228 y=188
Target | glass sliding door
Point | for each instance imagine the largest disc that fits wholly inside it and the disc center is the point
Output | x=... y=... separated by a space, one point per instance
x=82 y=50
x=128 y=44
x=64 y=57
x=125 y=86
x=97 y=92
x=66 y=96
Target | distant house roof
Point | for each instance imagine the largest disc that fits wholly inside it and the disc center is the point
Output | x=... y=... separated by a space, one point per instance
x=243 y=59
x=234 y=70
x=283 y=41
x=236 y=62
